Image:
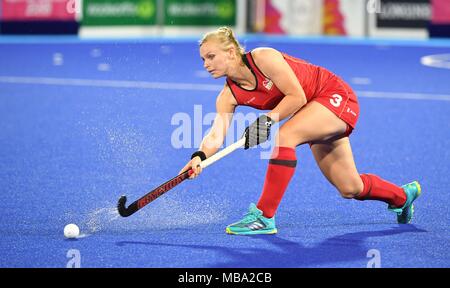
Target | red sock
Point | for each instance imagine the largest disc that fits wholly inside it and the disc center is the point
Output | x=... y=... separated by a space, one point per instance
x=376 y=188
x=279 y=173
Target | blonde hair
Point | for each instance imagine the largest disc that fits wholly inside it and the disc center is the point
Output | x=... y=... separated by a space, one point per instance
x=225 y=36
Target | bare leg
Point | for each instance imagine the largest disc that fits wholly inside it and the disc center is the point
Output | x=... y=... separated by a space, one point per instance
x=313 y=122
x=335 y=160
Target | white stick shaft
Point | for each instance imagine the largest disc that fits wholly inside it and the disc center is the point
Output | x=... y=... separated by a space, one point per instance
x=222 y=153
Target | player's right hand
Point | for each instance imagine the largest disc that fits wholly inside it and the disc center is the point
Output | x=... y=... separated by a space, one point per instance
x=195 y=165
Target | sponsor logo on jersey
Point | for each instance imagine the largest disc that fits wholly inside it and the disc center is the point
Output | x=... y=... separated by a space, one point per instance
x=267 y=83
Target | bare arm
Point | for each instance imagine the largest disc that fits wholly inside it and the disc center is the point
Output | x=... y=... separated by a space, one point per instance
x=225 y=106
x=274 y=66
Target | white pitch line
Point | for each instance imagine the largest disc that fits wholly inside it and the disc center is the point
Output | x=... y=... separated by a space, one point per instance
x=192 y=87
x=109 y=83
x=402 y=95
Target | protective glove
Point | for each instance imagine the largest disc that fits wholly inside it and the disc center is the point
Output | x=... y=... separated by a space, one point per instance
x=258 y=132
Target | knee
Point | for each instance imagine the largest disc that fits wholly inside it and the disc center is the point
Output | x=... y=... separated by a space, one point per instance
x=287 y=138
x=351 y=189
x=282 y=139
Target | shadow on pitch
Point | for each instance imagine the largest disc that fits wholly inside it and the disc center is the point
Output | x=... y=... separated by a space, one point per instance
x=283 y=253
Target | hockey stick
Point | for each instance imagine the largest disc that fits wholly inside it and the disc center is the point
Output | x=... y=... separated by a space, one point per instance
x=157 y=192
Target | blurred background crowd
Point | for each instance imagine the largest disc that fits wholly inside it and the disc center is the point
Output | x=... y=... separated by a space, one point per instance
x=136 y=18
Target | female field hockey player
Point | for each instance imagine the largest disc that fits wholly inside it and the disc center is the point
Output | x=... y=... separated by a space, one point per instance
x=321 y=110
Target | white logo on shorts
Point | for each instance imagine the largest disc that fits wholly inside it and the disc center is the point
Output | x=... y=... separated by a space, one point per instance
x=351 y=111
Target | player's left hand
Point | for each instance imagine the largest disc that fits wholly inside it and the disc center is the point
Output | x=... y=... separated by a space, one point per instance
x=258 y=132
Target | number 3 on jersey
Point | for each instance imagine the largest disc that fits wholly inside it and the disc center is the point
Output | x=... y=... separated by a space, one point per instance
x=336 y=101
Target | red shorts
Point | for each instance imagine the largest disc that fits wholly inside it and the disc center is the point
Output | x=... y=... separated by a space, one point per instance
x=339 y=98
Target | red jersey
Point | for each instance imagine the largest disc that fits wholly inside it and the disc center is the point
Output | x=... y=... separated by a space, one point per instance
x=319 y=85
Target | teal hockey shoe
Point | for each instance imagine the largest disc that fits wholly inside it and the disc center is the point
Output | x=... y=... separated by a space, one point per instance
x=253 y=223
x=405 y=213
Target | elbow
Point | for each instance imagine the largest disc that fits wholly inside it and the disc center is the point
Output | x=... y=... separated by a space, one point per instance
x=300 y=101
